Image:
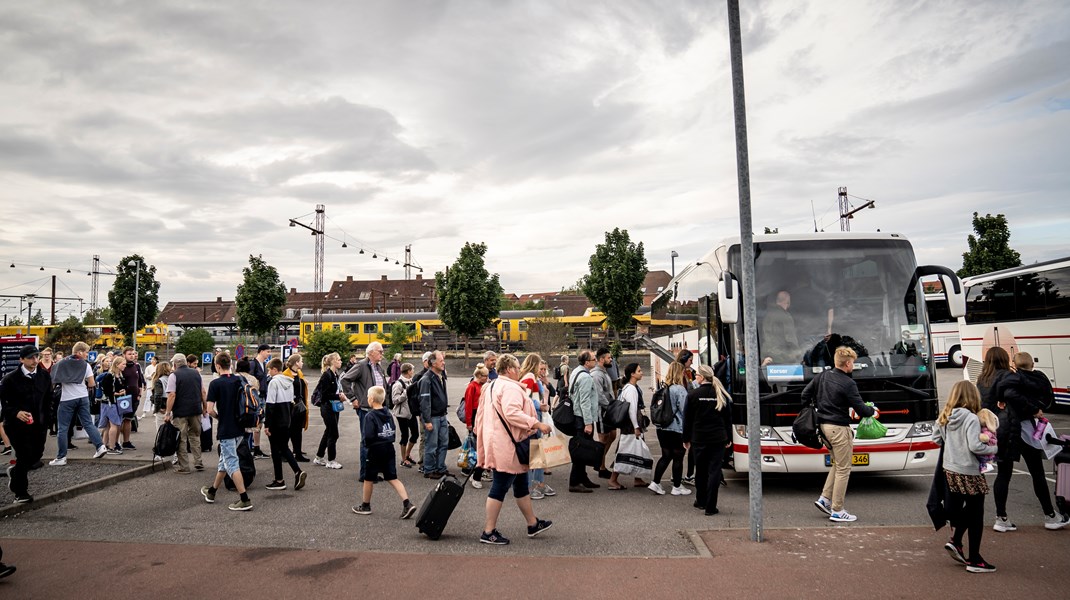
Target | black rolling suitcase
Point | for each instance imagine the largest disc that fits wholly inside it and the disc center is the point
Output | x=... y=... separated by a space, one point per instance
x=246 y=465
x=439 y=505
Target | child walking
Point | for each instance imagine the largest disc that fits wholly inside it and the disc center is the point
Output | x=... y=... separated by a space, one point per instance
x=378 y=435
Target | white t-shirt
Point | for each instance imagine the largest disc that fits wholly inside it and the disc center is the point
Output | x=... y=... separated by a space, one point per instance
x=171 y=385
x=73 y=391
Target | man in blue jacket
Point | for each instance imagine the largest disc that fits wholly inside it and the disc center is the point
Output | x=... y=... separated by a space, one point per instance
x=433 y=405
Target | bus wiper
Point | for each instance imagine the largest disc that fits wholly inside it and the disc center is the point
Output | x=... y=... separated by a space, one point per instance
x=907 y=388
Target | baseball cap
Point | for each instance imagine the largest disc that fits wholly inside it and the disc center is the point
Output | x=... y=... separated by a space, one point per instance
x=28 y=350
x=427 y=356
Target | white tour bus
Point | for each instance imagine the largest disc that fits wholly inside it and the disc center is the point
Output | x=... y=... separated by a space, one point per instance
x=944 y=329
x=856 y=289
x=1021 y=309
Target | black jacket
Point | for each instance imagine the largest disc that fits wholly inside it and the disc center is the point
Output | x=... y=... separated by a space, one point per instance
x=834 y=394
x=433 y=398
x=328 y=388
x=1024 y=392
x=703 y=423
x=31 y=394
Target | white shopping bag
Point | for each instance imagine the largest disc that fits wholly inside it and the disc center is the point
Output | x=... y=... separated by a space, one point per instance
x=633 y=457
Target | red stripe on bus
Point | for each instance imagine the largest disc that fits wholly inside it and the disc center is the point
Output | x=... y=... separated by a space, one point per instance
x=1024 y=337
x=898 y=447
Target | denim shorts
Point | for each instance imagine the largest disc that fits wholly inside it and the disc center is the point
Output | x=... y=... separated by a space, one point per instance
x=109 y=413
x=228 y=455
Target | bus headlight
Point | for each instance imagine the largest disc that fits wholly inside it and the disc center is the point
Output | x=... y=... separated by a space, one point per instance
x=921 y=429
x=768 y=434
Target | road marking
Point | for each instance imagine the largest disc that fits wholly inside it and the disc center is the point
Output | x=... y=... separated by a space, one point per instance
x=1020 y=472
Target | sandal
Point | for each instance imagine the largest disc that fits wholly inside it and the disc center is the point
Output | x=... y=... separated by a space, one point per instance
x=639 y=483
x=619 y=487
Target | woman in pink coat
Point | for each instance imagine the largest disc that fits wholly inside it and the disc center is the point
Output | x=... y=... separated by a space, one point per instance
x=505 y=420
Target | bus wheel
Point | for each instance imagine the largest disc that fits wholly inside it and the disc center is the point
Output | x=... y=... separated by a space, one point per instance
x=955 y=358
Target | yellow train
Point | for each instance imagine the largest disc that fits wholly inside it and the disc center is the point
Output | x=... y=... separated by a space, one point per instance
x=107 y=336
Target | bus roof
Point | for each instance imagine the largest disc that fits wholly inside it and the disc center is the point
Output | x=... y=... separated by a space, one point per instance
x=1035 y=267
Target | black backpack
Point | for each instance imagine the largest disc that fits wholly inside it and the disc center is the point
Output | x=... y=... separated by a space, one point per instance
x=805 y=429
x=661 y=412
x=412 y=395
x=564 y=417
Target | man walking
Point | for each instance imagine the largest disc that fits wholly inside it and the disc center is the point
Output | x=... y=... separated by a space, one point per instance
x=490 y=359
x=77 y=384
x=834 y=394
x=257 y=370
x=433 y=405
x=26 y=397
x=223 y=397
x=356 y=382
x=186 y=402
x=603 y=385
x=585 y=405
x=135 y=381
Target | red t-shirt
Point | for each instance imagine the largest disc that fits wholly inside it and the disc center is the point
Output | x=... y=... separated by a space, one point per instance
x=471 y=401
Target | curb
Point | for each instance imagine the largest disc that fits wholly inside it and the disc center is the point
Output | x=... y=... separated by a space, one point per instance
x=82 y=488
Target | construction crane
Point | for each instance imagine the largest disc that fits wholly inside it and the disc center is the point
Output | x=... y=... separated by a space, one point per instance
x=846 y=212
x=317 y=230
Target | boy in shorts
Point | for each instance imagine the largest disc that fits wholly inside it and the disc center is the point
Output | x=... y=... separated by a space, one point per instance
x=378 y=437
x=223 y=403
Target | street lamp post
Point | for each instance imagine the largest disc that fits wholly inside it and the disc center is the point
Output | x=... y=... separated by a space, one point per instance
x=673 y=257
x=137 y=292
x=29 y=311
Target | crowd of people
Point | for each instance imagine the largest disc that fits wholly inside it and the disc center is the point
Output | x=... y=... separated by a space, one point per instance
x=506 y=408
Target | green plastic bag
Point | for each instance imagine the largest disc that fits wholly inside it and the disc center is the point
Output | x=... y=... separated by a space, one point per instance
x=869 y=428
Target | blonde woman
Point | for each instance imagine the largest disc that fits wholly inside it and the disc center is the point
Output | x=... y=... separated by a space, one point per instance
x=328 y=389
x=671 y=437
x=706 y=429
x=959 y=432
x=113 y=385
x=159 y=394
x=529 y=377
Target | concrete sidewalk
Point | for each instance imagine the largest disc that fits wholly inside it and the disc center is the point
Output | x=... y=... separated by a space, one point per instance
x=869 y=563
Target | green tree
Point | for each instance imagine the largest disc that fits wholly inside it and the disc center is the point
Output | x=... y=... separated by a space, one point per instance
x=99 y=316
x=400 y=334
x=260 y=298
x=469 y=298
x=65 y=335
x=195 y=341
x=121 y=295
x=37 y=319
x=618 y=268
x=547 y=335
x=322 y=343
x=990 y=249
x=15 y=321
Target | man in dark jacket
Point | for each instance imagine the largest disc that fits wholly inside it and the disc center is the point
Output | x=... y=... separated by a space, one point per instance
x=26 y=397
x=834 y=394
x=1021 y=396
x=433 y=405
x=135 y=381
x=256 y=369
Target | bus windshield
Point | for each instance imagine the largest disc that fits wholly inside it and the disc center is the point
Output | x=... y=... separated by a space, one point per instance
x=815 y=296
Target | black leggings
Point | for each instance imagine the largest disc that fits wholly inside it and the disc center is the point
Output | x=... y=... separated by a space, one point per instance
x=280 y=450
x=330 y=433
x=297 y=431
x=967 y=516
x=672 y=451
x=408 y=428
x=1034 y=461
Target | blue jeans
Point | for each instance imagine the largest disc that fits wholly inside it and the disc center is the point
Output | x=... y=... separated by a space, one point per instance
x=535 y=475
x=361 y=413
x=228 y=455
x=435 y=448
x=67 y=410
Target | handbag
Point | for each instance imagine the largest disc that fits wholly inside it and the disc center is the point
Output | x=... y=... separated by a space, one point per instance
x=454 y=440
x=337 y=406
x=523 y=447
x=549 y=452
x=585 y=451
x=124 y=404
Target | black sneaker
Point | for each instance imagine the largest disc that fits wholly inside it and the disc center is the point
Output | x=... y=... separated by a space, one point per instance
x=71 y=446
x=494 y=538
x=955 y=551
x=299 y=480
x=302 y=458
x=980 y=566
x=689 y=480
x=539 y=527
x=6 y=450
x=25 y=499
x=408 y=509
x=258 y=453
x=591 y=485
x=6 y=570
x=276 y=485
x=363 y=509
x=128 y=446
x=604 y=474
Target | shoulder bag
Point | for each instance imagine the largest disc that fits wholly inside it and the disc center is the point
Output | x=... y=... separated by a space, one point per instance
x=523 y=447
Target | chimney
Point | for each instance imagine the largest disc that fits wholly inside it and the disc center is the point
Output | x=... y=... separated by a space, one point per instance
x=419 y=277
x=293 y=290
x=219 y=299
x=383 y=279
x=349 y=279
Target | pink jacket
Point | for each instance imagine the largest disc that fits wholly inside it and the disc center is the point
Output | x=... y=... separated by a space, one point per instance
x=493 y=446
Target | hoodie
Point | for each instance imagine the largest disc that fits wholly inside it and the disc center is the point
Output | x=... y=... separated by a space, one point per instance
x=961 y=439
x=1025 y=393
x=279 y=400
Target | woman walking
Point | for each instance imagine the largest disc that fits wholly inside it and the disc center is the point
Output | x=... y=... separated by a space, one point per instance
x=631 y=394
x=471 y=406
x=277 y=414
x=159 y=393
x=671 y=437
x=150 y=376
x=328 y=391
x=959 y=432
x=113 y=385
x=299 y=411
x=407 y=423
x=707 y=423
x=529 y=378
x=503 y=429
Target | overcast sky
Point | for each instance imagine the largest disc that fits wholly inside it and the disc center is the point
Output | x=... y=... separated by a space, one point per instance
x=192 y=131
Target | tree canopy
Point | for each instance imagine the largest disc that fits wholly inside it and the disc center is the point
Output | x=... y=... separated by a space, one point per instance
x=394 y=340
x=990 y=249
x=121 y=295
x=260 y=297
x=469 y=297
x=66 y=334
x=195 y=341
x=322 y=343
x=614 y=284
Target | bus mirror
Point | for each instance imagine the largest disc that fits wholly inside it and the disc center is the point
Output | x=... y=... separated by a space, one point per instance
x=728 y=299
x=956 y=296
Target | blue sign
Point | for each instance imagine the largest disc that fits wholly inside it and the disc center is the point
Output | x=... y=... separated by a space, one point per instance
x=782 y=373
x=206 y=358
x=149 y=356
x=92 y=356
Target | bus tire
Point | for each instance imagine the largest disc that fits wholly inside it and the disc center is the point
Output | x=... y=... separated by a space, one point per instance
x=955 y=358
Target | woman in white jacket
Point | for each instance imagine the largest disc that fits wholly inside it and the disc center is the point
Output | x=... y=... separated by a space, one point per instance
x=959 y=432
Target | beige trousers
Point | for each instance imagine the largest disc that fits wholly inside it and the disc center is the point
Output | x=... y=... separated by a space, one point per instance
x=841 y=438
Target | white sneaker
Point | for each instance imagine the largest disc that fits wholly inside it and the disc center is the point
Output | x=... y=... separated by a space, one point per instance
x=319 y=461
x=476 y=483
x=101 y=451
x=333 y=464
x=824 y=505
x=843 y=517
x=680 y=491
x=656 y=488
x=1003 y=525
x=59 y=462
x=1056 y=521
